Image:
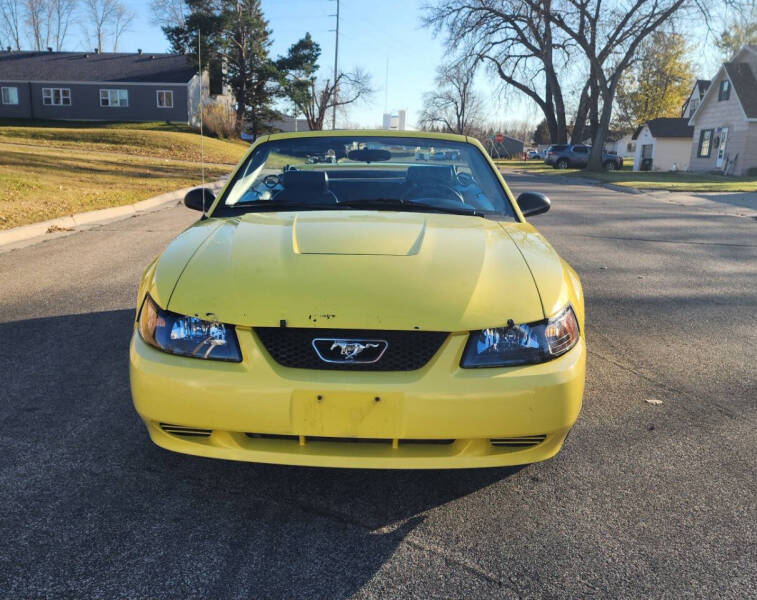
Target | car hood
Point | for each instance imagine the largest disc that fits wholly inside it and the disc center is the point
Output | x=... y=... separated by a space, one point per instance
x=354 y=270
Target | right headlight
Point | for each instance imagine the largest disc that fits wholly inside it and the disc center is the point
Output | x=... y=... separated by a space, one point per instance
x=522 y=344
x=187 y=335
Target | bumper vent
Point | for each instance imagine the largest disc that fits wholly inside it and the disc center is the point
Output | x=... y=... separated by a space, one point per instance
x=185 y=431
x=405 y=351
x=309 y=439
x=519 y=442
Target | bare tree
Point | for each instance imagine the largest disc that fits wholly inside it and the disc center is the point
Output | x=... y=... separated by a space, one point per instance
x=170 y=13
x=122 y=20
x=519 y=44
x=609 y=38
x=354 y=86
x=37 y=15
x=11 y=21
x=106 y=20
x=61 y=13
x=454 y=105
x=529 y=42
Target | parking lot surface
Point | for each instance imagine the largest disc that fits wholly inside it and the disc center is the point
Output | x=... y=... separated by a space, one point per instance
x=646 y=499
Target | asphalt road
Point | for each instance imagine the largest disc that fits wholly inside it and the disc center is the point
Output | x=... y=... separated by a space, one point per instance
x=643 y=501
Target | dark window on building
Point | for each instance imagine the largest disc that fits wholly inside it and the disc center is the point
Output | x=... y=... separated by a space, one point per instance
x=725 y=90
x=705 y=143
x=114 y=98
x=646 y=150
x=10 y=95
x=56 y=96
x=165 y=99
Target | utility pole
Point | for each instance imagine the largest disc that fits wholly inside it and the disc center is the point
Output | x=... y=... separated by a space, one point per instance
x=336 y=66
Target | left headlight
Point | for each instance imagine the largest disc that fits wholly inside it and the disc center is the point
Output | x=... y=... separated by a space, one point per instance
x=186 y=335
x=522 y=344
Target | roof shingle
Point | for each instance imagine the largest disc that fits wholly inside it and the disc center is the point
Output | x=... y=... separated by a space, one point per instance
x=745 y=86
x=666 y=127
x=84 y=67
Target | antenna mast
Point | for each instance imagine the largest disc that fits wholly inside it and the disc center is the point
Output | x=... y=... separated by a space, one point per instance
x=336 y=66
x=386 y=87
x=202 y=138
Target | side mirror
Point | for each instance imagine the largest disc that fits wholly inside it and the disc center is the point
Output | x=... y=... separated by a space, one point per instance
x=533 y=203
x=194 y=198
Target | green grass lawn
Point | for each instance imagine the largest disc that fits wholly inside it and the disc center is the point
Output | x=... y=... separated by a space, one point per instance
x=50 y=171
x=645 y=180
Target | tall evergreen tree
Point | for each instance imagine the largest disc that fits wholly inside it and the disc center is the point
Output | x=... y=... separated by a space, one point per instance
x=235 y=40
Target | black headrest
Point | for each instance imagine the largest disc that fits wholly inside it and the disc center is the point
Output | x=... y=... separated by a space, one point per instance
x=420 y=174
x=311 y=181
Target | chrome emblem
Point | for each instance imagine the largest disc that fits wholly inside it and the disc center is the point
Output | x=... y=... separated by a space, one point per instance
x=349 y=351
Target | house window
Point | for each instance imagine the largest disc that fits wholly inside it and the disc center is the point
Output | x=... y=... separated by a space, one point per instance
x=10 y=95
x=115 y=98
x=725 y=90
x=56 y=96
x=705 y=143
x=693 y=107
x=646 y=150
x=165 y=99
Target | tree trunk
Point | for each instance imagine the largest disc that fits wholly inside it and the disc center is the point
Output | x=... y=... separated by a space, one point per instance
x=600 y=135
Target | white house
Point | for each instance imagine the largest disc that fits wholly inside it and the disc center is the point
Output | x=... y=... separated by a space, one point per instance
x=725 y=122
x=695 y=98
x=663 y=144
x=624 y=146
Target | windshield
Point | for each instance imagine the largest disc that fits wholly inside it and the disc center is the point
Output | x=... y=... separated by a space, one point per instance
x=366 y=173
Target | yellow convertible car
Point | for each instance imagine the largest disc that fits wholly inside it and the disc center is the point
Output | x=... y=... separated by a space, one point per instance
x=361 y=299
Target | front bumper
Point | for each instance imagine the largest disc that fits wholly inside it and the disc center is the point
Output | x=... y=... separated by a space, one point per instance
x=439 y=416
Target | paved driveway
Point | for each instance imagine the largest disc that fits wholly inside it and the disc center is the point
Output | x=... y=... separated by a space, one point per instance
x=644 y=500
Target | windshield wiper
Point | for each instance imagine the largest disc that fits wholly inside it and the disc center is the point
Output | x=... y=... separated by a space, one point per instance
x=397 y=203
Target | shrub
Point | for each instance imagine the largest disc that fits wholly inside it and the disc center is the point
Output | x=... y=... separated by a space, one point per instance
x=752 y=171
x=219 y=120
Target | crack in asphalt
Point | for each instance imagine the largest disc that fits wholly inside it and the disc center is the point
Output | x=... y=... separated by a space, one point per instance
x=653 y=241
x=391 y=529
x=661 y=384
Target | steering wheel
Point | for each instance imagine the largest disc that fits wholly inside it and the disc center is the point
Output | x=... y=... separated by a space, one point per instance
x=271 y=181
x=421 y=190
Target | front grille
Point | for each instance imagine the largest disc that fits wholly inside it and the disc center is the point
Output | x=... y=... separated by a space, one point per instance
x=519 y=442
x=186 y=431
x=309 y=439
x=406 y=350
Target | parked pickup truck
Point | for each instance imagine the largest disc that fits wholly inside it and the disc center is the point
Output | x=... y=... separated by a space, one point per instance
x=576 y=156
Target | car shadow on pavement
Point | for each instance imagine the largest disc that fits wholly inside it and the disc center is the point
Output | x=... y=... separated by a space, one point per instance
x=94 y=508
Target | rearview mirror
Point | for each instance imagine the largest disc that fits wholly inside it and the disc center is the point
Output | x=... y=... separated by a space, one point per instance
x=369 y=155
x=533 y=203
x=194 y=199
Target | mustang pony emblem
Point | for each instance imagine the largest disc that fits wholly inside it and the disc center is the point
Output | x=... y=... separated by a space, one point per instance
x=350 y=350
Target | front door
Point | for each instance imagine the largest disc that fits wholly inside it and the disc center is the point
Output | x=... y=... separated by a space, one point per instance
x=721 y=147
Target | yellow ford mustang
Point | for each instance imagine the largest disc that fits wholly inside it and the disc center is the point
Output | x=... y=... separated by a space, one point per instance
x=361 y=299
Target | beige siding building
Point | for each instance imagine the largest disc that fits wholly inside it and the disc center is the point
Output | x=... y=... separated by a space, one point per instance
x=662 y=144
x=725 y=122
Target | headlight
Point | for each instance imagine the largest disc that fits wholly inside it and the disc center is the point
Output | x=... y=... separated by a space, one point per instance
x=522 y=344
x=187 y=336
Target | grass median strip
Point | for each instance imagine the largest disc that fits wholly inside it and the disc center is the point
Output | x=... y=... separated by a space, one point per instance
x=40 y=184
x=49 y=171
x=678 y=181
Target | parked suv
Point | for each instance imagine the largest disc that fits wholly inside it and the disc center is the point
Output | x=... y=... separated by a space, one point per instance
x=576 y=156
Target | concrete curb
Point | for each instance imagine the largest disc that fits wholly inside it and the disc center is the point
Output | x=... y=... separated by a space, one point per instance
x=93 y=217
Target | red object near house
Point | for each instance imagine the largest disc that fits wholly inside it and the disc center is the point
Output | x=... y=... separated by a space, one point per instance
x=498 y=138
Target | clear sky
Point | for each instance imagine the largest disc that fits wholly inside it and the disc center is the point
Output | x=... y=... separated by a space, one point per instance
x=371 y=32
